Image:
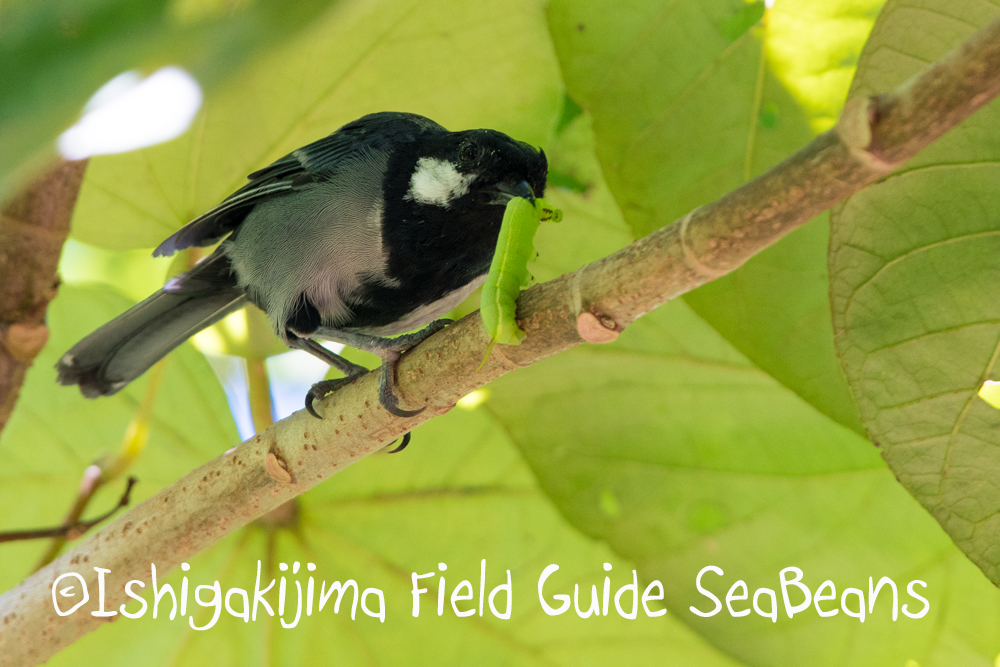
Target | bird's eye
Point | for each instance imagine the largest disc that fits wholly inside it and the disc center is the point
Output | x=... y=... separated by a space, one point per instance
x=469 y=152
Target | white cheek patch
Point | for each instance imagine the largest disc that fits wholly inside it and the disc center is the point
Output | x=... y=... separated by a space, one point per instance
x=437 y=182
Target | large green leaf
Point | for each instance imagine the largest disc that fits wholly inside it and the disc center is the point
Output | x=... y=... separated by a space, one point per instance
x=55 y=433
x=56 y=53
x=459 y=494
x=690 y=99
x=677 y=451
x=674 y=448
x=464 y=65
x=913 y=265
x=675 y=445
x=593 y=226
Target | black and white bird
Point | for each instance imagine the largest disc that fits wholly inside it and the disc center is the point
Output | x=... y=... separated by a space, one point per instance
x=374 y=231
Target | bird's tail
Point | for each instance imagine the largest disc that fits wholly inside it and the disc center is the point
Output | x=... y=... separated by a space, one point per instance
x=124 y=348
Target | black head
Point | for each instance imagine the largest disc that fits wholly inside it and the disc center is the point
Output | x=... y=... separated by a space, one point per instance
x=475 y=169
x=445 y=194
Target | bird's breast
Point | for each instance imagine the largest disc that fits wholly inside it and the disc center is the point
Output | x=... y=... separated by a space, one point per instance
x=421 y=315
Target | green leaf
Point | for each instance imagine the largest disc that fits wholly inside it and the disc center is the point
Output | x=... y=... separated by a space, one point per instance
x=459 y=494
x=391 y=55
x=570 y=111
x=57 y=53
x=733 y=26
x=690 y=100
x=913 y=265
x=676 y=445
x=592 y=225
x=674 y=449
x=362 y=57
x=55 y=433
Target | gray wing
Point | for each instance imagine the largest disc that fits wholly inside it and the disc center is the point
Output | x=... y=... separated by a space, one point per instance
x=296 y=171
x=319 y=245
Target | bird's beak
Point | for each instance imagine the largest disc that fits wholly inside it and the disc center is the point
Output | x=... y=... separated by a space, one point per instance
x=507 y=191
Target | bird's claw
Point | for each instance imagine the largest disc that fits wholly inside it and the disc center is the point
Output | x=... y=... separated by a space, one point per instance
x=389 y=349
x=321 y=389
x=402 y=446
x=386 y=395
x=386 y=390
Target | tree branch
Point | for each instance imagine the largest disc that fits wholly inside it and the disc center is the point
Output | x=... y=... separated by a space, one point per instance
x=33 y=228
x=874 y=136
x=110 y=467
x=71 y=530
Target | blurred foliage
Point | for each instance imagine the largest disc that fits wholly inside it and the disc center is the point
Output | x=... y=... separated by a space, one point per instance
x=358 y=59
x=55 y=434
x=56 y=53
x=719 y=430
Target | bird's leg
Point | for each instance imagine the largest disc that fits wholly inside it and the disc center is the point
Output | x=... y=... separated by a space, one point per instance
x=390 y=349
x=346 y=367
x=351 y=370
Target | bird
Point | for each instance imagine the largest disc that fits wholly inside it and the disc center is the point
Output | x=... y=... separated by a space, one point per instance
x=366 y=237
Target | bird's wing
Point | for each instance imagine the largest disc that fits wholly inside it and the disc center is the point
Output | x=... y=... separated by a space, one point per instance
x=294 y=171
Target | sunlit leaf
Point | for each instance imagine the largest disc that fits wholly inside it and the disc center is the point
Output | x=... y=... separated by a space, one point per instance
x=913 y=265
x=691 y=99
x=55 y=433
x=672 y=447
x=57 y=53
x=395 y=55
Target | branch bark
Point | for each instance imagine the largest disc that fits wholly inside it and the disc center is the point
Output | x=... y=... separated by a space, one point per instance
x=874 y=136
x=33 y=228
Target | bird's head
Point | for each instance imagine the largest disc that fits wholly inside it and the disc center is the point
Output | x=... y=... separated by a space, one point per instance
x=476 y=169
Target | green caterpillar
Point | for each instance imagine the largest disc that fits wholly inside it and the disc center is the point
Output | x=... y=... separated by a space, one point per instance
x=509 y=270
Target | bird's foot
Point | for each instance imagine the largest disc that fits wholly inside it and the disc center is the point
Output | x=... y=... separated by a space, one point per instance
x=390 y=349
x=321 y=389
x=386 y=393
x=387 y=385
